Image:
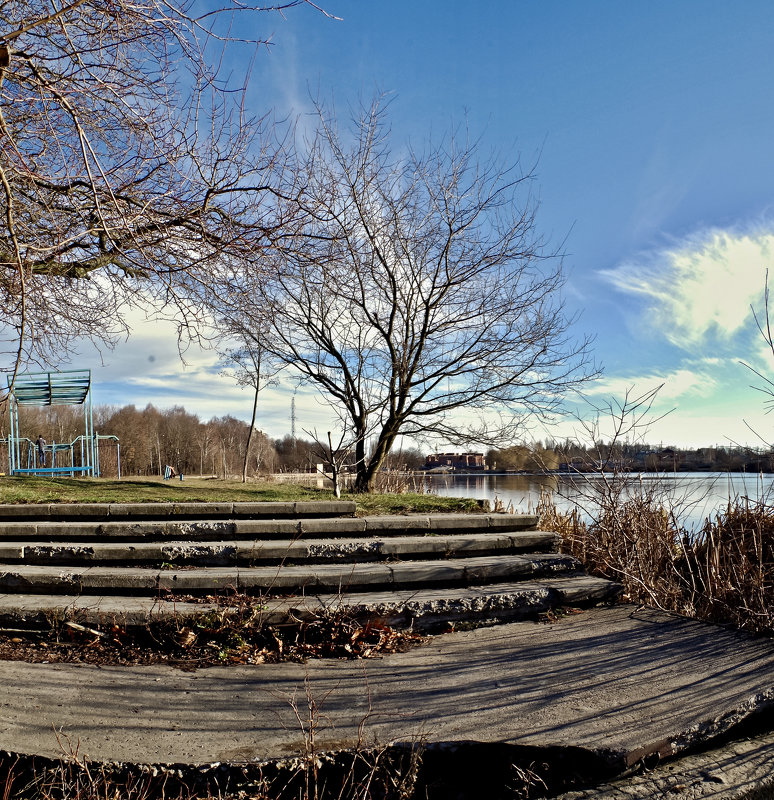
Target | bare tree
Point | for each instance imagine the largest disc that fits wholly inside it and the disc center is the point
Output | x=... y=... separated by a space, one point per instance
x=127 y=163
x=333 y=456
x=250 y=364
x=415 y=293
x=764 y=323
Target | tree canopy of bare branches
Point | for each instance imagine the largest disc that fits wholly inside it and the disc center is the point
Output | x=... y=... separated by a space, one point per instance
x=415 y=293
x=127 y=163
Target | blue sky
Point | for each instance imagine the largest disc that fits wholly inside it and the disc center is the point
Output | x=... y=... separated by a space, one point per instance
x=651 y=125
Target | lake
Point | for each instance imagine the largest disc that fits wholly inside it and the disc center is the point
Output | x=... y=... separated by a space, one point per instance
x=697 y=494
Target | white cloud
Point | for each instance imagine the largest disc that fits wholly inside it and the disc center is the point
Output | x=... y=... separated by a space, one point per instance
x=700 y=287
x=147 y=368
x=675 y=384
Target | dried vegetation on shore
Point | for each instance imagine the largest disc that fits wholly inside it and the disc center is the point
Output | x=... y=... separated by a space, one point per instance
x=634 y=534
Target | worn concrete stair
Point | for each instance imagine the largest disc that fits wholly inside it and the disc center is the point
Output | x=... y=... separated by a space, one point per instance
x=139 y=561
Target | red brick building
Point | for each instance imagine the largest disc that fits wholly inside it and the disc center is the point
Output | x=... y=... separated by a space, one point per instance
x=463 y=462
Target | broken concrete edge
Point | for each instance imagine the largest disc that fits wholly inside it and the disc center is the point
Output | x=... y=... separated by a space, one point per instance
x=471 y=769
x=436 y=615
x=482 y=764
x=734 y=766
x=754 y=714
x=752 y=711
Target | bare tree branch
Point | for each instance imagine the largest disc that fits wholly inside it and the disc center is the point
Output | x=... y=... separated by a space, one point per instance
x=415 y=293
x=128 y=164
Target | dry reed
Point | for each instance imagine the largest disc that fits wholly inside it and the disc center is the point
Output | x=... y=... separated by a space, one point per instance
x=633 y=534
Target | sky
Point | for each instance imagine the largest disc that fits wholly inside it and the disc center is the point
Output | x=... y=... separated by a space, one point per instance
x=650 y=128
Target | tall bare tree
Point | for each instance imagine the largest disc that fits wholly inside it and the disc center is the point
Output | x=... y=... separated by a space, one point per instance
x=127 y=163
x=415 y=293
x=250 y=363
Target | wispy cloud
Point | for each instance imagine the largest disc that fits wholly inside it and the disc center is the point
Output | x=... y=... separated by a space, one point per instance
x=147 y=369
x=676 y=384
x=700 y=287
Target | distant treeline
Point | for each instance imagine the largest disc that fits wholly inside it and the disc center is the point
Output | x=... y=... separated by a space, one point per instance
x=641 y=456
x=151 y=438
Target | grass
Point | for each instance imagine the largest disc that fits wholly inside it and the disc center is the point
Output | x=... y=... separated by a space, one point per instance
x=25 y=489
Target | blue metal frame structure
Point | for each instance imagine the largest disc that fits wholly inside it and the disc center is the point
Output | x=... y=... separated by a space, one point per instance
x=72 y=387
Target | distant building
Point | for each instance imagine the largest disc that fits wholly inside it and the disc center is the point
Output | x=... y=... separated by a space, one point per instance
x=464 y=462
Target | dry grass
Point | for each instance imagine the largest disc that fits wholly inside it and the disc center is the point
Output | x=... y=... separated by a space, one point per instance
x=362 y=773
x=633 y=534
x=234 y=634
x=731 y=566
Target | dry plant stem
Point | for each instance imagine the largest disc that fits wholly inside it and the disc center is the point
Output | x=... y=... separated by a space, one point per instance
x=722 y=573
x=630 y=530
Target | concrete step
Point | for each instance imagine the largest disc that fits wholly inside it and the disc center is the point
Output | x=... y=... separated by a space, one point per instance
x=428 y=610
x=266 y=551
x=146 y=511
x=206 y=529
x=424 y=569
x=285 y=579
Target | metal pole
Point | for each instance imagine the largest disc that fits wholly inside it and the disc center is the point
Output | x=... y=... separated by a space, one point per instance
x=15 y=424
x=12 y=438
x=91 y=428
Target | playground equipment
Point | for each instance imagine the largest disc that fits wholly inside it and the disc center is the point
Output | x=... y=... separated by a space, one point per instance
x=79 y=457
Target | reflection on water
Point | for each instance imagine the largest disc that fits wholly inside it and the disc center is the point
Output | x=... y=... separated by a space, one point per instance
x=695 y=495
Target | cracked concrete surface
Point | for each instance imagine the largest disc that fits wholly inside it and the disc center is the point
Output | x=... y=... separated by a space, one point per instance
x=741 y=770
x=621 y=681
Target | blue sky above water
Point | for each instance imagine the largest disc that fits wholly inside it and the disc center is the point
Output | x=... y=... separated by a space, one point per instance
x=650 y=124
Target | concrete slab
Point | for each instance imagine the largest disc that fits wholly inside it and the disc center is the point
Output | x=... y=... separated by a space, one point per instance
x=284 y=528
x=116 y=511
x=739 y=770
x=324 y=508
x=399 y=523
x=333 y=525
x=513 y=521
x=20 y=511
x=620 y=681
x=272 y=510
x=66 y=511
x=121 y=511
x=223 y=552
x=331 y=577
x=428 y=609
x=462 y=521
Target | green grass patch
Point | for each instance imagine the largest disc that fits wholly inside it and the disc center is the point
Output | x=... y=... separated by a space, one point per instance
x=27 y=489
x=411 y=504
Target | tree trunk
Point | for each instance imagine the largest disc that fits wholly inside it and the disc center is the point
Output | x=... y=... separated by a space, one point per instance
x=366 y=472
x=250 y=433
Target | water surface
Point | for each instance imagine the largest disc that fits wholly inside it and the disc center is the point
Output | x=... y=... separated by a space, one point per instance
x=695 y=494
